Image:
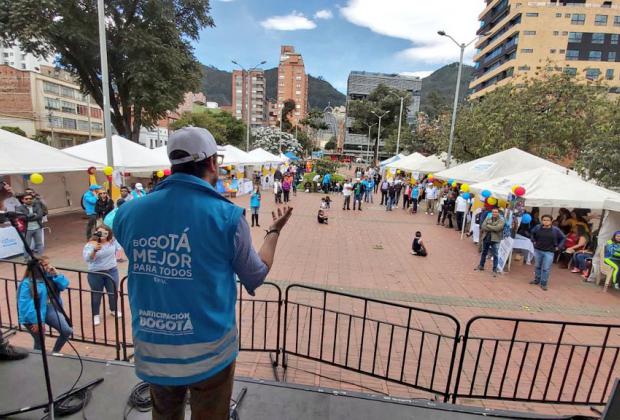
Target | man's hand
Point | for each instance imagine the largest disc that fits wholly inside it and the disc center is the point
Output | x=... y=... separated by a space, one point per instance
x=279 y=220
x=34 y=328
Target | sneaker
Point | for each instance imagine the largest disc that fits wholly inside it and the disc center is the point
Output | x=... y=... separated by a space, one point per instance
x=535 y=282
x=495 y=273
x=118 y=314
x=96 y=320
x=544 y=287
x=479 y=268
x=9 y=352
x=575 y=270
x=616 y=286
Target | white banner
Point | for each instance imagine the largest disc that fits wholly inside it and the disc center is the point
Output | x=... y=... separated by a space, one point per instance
x=10 y=244
x=505 y=248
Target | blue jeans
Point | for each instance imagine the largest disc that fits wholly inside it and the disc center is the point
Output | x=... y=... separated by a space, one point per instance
x=544 y=261
x=390 y=204
x=107 y=279
x=579 y=260
x=55 y=319
x=36 y=236
x=494 y=247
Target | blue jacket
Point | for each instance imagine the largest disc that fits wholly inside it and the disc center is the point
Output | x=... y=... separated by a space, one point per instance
x=255 y=200
x=327 y=179
x=89 y=199
x=415 y=191
x=612 y=249
x=25 y=303
x=179 y=240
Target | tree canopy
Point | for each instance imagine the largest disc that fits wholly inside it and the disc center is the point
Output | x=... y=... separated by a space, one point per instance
x=150 y=54
x=275 y=141
x=225 y=128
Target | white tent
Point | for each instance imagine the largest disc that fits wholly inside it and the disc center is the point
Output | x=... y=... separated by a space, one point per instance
x=128 y=155
x=263 y=157
x=546 y=187
x=408 y=163
x=20 y=155
x=507 y=162
x=432 y=164
x=235 y=156
x=392 y=159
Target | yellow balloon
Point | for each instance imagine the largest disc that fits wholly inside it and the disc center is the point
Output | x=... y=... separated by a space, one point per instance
x=465 y=188
x=108 y=170
x=160 y=174
x=36 y=178
x=514 y=187
x=454 y=183
x=492 y=201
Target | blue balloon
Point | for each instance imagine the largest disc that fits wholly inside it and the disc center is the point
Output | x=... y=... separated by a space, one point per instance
x=450 y=181
x=486 y=193
x=466 y=196
x=526 y=218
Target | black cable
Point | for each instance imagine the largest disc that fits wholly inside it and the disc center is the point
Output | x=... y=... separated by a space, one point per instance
x=139 y=399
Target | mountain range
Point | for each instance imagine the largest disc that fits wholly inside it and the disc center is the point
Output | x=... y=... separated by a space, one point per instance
x=217 y=84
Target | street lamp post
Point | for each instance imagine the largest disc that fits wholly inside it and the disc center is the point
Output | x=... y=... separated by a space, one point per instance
x=379 y=131
x=105 y=84
x=248 y=109
x=462 y=46
x=400 y=119
x=368 y=144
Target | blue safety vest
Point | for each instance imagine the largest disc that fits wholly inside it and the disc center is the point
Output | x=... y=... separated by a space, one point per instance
x=179 y=240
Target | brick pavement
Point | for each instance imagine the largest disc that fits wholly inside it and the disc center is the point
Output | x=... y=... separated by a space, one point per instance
x=367 y=253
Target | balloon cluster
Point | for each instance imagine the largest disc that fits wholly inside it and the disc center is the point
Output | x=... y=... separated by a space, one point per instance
x=518 y=190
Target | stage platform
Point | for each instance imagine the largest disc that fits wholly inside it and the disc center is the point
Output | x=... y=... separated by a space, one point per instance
x=22 y=384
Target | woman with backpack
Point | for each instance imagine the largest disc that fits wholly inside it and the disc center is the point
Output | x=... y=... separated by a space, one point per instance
x=384 y=190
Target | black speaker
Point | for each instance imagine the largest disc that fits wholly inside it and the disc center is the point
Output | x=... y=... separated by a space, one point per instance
x=612 y=409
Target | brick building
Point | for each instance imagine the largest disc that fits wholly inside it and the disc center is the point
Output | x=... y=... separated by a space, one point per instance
x=292 y=82
x=256 y=98
x=48 y=103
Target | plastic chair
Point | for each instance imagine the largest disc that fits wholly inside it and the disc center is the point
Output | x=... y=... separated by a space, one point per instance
x=604 y=270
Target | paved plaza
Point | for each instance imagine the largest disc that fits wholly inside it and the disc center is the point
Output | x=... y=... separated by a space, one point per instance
x=366 y=253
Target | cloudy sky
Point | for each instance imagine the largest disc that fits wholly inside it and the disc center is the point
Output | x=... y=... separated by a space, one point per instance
x=391 y=36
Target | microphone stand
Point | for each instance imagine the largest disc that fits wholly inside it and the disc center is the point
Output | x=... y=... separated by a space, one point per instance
x=37 y=271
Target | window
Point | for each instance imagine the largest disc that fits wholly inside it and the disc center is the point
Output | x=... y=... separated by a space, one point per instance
x=556 y=33
x=531 y=14
x=616 y=20
x=23 y=66
x=562 y=51
x=578 y=19
x=595 y=55
x=598 y=38
x=611 y=56
x=567 y=15
x=297 y=92
x=575 y=37
x=552 y=51
x=558 y=15
x=527 y=50
x=96 y=113
x=524 y=68
x=51 y=103
x=68 y=107
x=297 y=77
x=98 y=127
x=592 y=74
x=571 y=71
x=297 y=106
x=564 y=33
x=51 y=88
x=572 y=54
x=529 y=33
x=67 y=92
x=69 y=123
x=54 y=122
x=614 y=39
x=82 y=110
x=82 y=125
x=609 y=74
x=600 y=20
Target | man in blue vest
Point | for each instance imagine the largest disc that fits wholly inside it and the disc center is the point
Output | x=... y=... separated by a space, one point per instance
x=89 y=199
x=185 y=244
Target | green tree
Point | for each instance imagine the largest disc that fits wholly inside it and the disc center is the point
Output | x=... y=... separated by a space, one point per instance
x=287 y=115
x=14 y=130
x=225 y=128
x=331 y=144
x=305 y=141
x=275 y=141
x=150 y=53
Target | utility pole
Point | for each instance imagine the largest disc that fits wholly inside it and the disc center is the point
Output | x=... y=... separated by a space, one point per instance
x=400 y=121
x=50 y=118
x=105 y=82
x=90 y=126
x=368 y=142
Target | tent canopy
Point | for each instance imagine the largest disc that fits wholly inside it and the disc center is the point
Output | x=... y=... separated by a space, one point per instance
x=408 y=163
x=432 y=164
x=261 y=156
x=545 y=187
x=504 y=163
x=20 y=155
x=235 y=156
x=128 y=155
x=291 y=156
x=392 y=159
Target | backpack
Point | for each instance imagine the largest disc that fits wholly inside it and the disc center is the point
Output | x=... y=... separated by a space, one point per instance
x=384 y=186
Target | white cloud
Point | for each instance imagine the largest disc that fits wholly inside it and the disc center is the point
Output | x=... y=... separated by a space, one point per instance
x=292 y=22
x=324 y=14
x=419 y=22
x=421 y=74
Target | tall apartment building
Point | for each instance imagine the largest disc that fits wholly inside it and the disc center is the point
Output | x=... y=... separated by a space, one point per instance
x=17 y=58
x=520 y=38
x=292 y=82
x=359 y=85
x=48 y=103
x=255 y=81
